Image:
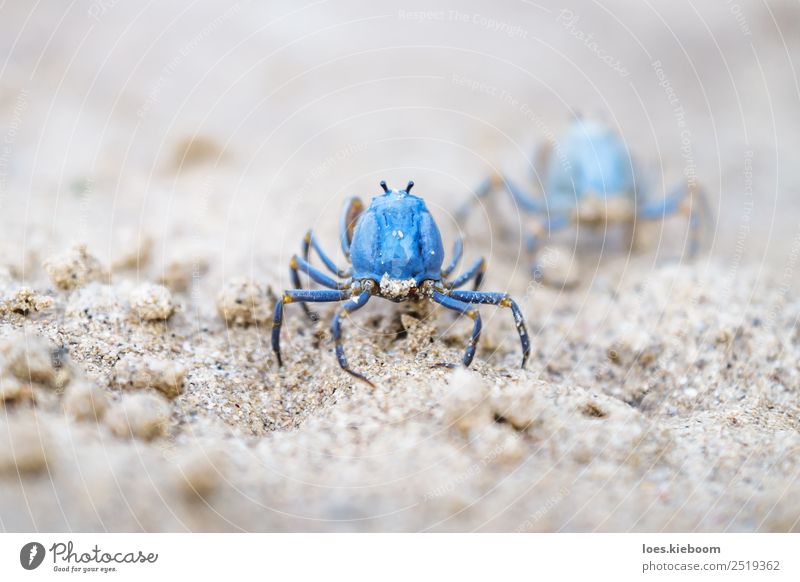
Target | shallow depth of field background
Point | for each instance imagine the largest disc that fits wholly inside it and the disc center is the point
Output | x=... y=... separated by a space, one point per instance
x=303 y=105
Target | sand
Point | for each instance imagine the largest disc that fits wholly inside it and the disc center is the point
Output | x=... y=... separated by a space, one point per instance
x=150 y=203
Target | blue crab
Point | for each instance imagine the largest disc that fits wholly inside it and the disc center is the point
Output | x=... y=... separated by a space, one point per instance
x=395 y=250
x=593 y=182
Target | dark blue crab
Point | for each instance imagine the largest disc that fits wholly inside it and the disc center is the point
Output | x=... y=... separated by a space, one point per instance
x=396 y=253
x=593 y=182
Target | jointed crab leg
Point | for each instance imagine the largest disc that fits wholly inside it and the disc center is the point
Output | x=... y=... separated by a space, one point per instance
x=354 y=304
x=299 y=264
x=310 y=242
x=503 y=300
x=698 y=225
x=347 y=223
x=484 y=189
x=476 y=271
x=525 y=201
x=688 y=199
x=659 y=209
x=543 y=229
x=300 y=296
x=458 y=250
x=469 y=311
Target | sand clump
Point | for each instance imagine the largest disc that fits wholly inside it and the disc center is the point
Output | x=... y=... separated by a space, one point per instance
x=421 y=333
x=84 y=400
x=244 y=302
x=141 y=373
x=179 y=274
x=32 y=358
x=137 y=253
x=12 y=389
x=73 y=268
x=97 y=302
x=24 y=445
x=200 y=473
x=13 y=262
x=142 y=415
x=472 y=404
x=151 y=302
x=516 y=405
x=25 y=301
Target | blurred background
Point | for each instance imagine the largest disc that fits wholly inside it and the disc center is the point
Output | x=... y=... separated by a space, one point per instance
x=236 y=126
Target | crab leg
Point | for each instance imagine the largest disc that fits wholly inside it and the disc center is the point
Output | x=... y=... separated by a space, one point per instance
x=484 y=189
x=458 y=250
x=310 y=242
x=347 y=223
x=300 y=264
x=300 y=296
x=297 y=265
x=681 y=199
x=354 y=304
x=469 y=311
x=502 y=300
x=525 y=201
x=476 y=271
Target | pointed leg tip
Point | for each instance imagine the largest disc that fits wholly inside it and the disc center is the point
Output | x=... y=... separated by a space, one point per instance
x=355 y=374
x=362 y=378
x=446 y=365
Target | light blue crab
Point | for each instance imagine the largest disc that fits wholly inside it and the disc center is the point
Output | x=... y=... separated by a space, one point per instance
x=589 y=179
x=395 y=252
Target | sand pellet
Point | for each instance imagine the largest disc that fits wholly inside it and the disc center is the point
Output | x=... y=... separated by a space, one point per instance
x=152 y=302
x=141 y=415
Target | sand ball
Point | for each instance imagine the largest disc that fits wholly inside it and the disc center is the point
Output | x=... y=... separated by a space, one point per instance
x=24 y=445
x=137 y=373
x=142 y=415
x=152 y=302
x=244 y=302
x=73 y=268
x=84 y=400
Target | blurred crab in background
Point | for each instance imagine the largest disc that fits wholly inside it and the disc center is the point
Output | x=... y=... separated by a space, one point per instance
x=592 y=181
